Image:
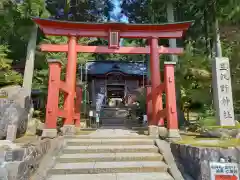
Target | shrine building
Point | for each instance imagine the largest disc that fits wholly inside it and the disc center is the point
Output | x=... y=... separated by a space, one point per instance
x=116 y=80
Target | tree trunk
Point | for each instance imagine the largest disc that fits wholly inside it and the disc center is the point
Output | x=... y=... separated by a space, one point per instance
x=29 y=65
x=170 y=18
x=217 y=41
x=207 y=43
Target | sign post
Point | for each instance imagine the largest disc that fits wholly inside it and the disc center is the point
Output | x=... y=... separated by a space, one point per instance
x=99 y=102
x=224 y=171
x=223 y=92
x=97 y=119
x=90 y=117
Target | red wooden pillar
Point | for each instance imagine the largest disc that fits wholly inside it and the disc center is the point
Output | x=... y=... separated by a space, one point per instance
x=149 y=104
x=71 y=80
x=171 y=106
x=78 y=106
x=52 y=99
x=155 y=81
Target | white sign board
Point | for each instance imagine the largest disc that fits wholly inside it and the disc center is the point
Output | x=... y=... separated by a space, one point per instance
x=224 y=171
x=145 y=120
x=11 y=132
x=223 y=92
x=91 y=113
x=97 y=118
x=99 y=101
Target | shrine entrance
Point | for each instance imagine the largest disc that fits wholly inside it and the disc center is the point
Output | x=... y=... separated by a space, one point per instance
x=115 y=88
x=113 y=32
x=115 y=95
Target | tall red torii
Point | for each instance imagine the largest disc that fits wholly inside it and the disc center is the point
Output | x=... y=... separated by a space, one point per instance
x=113 y=32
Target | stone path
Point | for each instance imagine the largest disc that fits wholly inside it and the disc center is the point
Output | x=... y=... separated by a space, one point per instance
x=110 y=154
x=113 y=131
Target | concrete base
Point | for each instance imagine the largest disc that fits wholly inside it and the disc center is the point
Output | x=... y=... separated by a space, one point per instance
x=32 y=127
x=49 y=133
x=174 y=134
x=69 y=130
x=163 y=132
x=153 y=131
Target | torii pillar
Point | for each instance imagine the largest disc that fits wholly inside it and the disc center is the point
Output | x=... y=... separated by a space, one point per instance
x=69 y=127
x=155 y=82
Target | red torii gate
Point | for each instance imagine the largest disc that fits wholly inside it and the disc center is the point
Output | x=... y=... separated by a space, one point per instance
x=113 y=32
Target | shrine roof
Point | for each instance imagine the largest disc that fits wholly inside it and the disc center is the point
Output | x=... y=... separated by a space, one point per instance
x=70 y=25
x=104 y=67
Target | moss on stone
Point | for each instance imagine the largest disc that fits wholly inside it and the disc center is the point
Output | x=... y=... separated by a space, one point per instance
x=223 y=127
x=209 y=142
x=79 y=132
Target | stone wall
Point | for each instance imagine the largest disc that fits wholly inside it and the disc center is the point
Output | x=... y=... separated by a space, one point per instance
x=20 y=162
x=194 y=161
x=15 y=105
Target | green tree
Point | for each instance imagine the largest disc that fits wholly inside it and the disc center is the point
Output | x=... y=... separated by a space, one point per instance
x=7 y=75
x=200 y=40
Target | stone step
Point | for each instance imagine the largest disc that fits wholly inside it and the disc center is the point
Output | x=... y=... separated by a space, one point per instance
x=108 y=167
x=106 y=124
x=137 y=128
x=116 y=176
x=108 y=137
x=109 y=141
x=107 y=157
x=110 y=149
x=112 y=121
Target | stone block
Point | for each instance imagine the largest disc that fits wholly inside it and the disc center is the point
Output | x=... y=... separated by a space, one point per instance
x=163 y=132
x=198 y=159
x=40 y=125
x=222 y=77
x=69 y=130
x=14 y=109
x=12 y=168
x=174 y=134
x=13 y=114
x=32 y=124
x=14 y=155
x=49 y=133
x=3 y=173
x=153 y=131
x=11 y=132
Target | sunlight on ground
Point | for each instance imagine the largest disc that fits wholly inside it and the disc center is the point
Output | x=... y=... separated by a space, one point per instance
x=84 y=132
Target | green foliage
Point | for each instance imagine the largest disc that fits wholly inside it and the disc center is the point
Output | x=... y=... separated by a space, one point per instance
x=194 y=78
x=194 y=73
x=7 y=75
x=208 y=121
x=85 y=11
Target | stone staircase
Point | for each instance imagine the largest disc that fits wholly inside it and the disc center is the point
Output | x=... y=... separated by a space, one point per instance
x=113 y=116
x=111 y=157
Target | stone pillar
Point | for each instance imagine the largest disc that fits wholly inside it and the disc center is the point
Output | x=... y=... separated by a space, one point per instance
x=68 y=127
x=222 y=89
x=52 y=99
x=171 y=107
